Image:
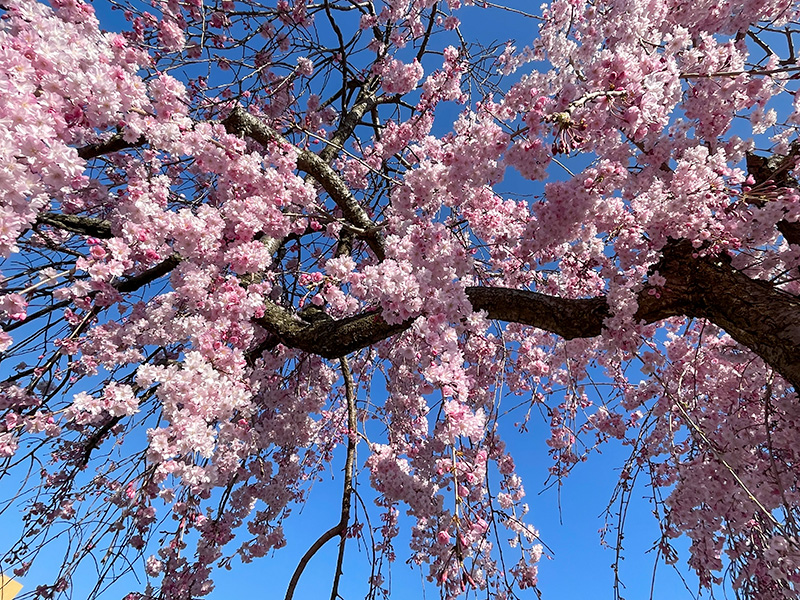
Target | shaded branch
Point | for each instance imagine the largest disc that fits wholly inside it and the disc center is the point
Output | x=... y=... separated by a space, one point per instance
x=328 y=338
x=137 y=281
x=774 y=173
x=753 y=312
x=113 y=144
x=240 y=122
x=98 y=228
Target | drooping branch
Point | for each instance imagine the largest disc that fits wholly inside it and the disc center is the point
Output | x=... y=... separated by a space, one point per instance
x=754 y=313
x=340 y=528
x=349 y=468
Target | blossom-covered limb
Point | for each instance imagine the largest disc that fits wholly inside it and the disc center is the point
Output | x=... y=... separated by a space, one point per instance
x=365 y=101
x=243 y=123
x=753 y=312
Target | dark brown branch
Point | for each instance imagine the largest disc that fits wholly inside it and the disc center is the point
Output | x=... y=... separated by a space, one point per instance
x=771 y=173
x=113 y=144
x=790 y=231
x=349 y=466
x=123 y=286
x=328 y=338
x=9 y=327
x=315 y=547
x=98 y=228
x=240 y=122
x=568 y=318
x=426 y=38
x=753 y=312
x=365 y=101
x=137 y=281
x=93 y=441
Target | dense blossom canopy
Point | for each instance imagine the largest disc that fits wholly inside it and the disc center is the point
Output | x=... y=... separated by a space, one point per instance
x=225 y=227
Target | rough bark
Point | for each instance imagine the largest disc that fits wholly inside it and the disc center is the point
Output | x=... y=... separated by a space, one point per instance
x=772 y=174
x=240 y=122
x=113 y=144
x=754 y=313
x=98 y=228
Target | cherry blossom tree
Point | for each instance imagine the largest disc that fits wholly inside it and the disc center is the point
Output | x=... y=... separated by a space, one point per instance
x=245 y=242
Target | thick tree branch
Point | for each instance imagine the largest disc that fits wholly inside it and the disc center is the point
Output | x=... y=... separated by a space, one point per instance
x=98 y=228
x=137 y=281
x=113 y=144
x=365 y=101
x=754 y=313
x=772 y=173
x=328 y=338
x=240 y=122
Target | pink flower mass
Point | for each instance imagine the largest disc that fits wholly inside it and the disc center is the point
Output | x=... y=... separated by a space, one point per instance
x=248 y=243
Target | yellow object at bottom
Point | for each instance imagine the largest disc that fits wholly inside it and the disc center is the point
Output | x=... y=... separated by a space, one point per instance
x=8 y=588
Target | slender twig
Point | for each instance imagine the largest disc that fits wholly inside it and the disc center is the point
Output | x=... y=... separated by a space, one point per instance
x=717 y=453
x=347 y=494
x=340 y=528
x=486 y=4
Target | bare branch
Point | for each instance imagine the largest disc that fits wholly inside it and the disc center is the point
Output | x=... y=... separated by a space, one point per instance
x=349 y=466
x=113 y=144
x=98 y=228
x=340 y=528
x=137 y=281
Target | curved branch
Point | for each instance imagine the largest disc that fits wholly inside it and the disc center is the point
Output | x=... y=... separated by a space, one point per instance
x=753 y=312
x=349 y=466
x=98 y=228
x=240 y=122
x=340 y=528
x=328 y=338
